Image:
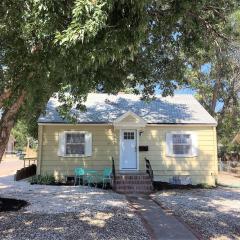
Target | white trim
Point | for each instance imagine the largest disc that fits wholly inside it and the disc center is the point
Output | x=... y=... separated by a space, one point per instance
x=76 y=124
x=182 y=124
x=147 y=125
x=194 y=145
x=137 y=138
x=181 y=132
x=129 y=125
x=129 y=113
x=120 y=149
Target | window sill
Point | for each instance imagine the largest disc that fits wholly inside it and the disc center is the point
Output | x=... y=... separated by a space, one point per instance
x=74 y=156
x=181 y=156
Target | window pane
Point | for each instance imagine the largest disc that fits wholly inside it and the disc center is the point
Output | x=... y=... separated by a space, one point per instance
x=181 y=139
x=128 y=135
x=75 y=138
x=75 y=149
x=132 y=135
x=182 y=149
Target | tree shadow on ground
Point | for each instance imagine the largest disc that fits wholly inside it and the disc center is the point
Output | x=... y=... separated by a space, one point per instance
x=214 y=213
x=85 y=225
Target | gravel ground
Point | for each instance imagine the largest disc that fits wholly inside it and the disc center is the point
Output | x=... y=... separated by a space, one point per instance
x=63 y=212
x=213 y=213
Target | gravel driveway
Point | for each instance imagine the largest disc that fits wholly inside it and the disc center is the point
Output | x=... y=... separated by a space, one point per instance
x=63 y=212
x=213 y=213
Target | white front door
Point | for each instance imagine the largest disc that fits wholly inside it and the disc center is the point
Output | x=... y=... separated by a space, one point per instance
x=128 y=150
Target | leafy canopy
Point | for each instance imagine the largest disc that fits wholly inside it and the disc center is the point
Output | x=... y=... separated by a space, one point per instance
x=78 y=46
x=217 y=84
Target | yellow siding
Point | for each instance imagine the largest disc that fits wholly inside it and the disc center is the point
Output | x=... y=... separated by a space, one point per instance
x=202 y=168
x=105 y=146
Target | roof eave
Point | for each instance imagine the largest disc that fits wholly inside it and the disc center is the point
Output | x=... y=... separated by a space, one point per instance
x=111 y=123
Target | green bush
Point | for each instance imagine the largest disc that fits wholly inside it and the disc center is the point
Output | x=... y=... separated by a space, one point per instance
x=43 y=179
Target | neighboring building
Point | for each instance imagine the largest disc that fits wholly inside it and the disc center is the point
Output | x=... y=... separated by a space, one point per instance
x=236 y=139
x=176 y=134
x=10 y=145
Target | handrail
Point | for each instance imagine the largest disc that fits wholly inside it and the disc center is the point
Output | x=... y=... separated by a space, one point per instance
x=29 y=160
x=113 y=172
x=149 y=170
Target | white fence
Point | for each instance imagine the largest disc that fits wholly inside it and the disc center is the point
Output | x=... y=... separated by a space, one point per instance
x=229 y=166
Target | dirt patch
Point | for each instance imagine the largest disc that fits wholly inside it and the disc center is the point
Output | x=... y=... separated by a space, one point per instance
x=227 y=179
x=158 y=186
x=10 y=204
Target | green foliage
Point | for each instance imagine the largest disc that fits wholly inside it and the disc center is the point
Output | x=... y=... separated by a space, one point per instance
x=22 y=135
x=88 y=17
x=78 y=46
x=217 y=88
x=43 y=179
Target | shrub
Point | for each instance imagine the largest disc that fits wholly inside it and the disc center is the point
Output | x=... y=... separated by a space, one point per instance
x=43 y=179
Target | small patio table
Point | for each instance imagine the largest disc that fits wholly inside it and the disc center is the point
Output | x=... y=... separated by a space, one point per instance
x=91 y=175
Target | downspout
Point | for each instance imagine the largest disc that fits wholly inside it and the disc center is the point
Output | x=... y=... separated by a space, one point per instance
x=40 y=138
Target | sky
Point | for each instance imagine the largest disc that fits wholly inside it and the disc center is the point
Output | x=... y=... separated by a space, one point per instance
x=205 y=69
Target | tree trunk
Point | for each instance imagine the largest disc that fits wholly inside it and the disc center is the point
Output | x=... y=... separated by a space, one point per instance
x=215 y=95
x=7 y=122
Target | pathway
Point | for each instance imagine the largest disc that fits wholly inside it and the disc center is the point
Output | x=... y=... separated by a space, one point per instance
x=9 y=165
x=160 y=223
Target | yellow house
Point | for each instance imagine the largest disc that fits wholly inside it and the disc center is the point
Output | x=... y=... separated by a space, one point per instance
x=176 y=134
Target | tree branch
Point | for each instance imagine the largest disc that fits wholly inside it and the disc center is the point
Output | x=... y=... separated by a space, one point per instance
x=5 y=95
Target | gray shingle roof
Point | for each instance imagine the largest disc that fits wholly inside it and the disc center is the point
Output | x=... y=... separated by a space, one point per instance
x=104 y=108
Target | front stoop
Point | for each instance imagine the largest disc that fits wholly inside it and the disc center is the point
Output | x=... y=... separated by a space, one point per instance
x=137 y=183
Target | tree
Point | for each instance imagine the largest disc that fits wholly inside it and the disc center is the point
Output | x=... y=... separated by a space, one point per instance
x=216 y=80
x=77 y=46
x=22 y=136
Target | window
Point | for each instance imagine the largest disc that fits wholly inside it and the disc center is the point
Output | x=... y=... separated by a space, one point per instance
x=181 y=144
x=128 y=135
x=75 y=143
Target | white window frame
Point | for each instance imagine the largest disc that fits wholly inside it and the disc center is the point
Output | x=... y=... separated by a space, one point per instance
x=169 y=144
x=65 y=143
x=87 y=149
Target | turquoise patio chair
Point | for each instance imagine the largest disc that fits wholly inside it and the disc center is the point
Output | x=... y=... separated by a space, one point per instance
x=78 y=174
x=106 y=178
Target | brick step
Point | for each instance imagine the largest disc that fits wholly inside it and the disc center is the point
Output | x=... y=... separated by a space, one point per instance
x=132 y=189
x=134 y=192
x=137 y=182
x=132 y=177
